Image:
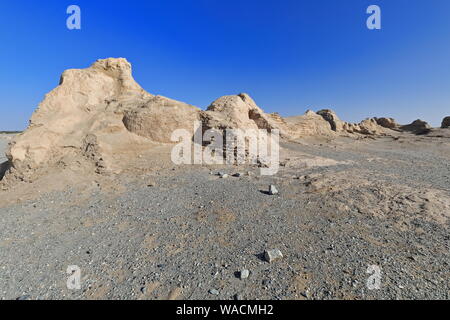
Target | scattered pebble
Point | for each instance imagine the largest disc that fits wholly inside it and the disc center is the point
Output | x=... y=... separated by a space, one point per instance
x=214 y=292
x=244 y=274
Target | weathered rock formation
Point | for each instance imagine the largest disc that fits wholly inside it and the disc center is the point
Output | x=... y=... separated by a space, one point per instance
x=309 y=124
x=240 y=112
x=329 y=115
x=389 y=123
x=157 y=117
x=99 y=113
x=368 y=126
x=92 y=114
x=417 y=127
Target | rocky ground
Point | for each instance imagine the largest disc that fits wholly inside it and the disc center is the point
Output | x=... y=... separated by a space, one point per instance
x=158 y=231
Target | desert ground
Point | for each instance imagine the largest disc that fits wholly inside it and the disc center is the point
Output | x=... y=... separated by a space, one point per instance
x=161 y=231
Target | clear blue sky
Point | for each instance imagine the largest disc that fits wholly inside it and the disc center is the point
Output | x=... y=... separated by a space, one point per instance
x=289 y=55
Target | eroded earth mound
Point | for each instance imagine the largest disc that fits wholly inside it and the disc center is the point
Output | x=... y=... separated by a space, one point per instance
x=418 y=127
x=445 y=123
x=100 y=117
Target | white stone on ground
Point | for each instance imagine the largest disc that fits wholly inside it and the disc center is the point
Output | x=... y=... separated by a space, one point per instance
x=214 y=292
x=272 y=255
x=244 y=274
x=273 y=190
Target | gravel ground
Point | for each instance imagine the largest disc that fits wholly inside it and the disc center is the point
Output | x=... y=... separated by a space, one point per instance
x=184 y=232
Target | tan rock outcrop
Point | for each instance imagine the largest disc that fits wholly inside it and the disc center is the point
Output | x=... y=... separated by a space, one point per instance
x=329 y=115
x=158 y=117
x=240 y=112
x=84 y=118
x=389 y=123
x=309 y=124
x=99 y=114
x=368 y=126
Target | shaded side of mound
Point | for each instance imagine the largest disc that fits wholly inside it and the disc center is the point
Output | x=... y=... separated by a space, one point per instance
x=417 y=127
x=445 y=123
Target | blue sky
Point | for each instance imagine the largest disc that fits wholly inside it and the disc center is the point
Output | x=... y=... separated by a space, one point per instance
x=289 y=55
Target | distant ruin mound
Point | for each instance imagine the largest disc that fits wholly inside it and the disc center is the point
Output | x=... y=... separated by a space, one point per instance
x=445 y=123
x=99 y=115
x=389 y=123
x=417 y=127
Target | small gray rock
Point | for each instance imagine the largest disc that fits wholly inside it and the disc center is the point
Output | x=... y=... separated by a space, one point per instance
x=305 y=293
x=214 y=292
x=244 y=274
